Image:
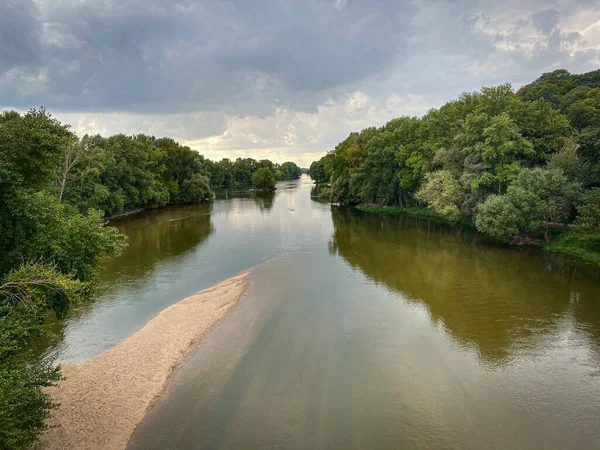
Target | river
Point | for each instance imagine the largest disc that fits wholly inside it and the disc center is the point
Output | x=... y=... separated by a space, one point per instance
x=357 y=331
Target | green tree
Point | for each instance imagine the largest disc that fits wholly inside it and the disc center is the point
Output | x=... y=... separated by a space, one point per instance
x=263 y=178
x=196 y=189
x=49 y=254
x=442 y=192
x=567 y=160
x=588 y=212
x=537 y=199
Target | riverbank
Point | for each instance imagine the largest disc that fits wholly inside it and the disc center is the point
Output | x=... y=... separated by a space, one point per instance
x=415 y=211
x=102 y=400
x=583 y=247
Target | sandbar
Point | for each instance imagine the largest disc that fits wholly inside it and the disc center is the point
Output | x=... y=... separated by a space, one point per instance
x=102 y=400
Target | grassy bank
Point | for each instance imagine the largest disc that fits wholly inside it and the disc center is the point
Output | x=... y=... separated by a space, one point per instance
x=582 y=246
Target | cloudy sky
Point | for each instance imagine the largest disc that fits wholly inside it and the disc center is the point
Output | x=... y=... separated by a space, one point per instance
x=280 y=79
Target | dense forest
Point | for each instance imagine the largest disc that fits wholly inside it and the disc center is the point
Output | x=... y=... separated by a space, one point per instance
x=523 y=167
x=124 y=173
x=56 y=191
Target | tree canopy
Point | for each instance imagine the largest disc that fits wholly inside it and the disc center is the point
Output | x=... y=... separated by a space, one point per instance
x=56 y=191
x=483 y=157
x=263 y=178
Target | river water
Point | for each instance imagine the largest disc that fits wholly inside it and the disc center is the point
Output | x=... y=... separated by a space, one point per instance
x=357 y=331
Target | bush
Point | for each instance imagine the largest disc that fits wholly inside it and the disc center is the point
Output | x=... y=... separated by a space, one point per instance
x=25 y=296
x=537 y=198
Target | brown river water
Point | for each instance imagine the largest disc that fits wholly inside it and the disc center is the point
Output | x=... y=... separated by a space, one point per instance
x=357 y=331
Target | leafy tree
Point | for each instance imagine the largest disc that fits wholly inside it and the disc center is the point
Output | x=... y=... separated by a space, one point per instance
x=263 y=178
x=26 y=294
x=290 y=170
x=567 y=160
x=442 y=192
x=31 y=148
x=536 y=199
x=196 y=189
x=588 y=212
x=318 y=171
x=49 y=254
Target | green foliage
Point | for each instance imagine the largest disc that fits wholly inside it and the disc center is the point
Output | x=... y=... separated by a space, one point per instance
x=290 y=170
x=124 y=173
x=35 y=225
x=536 y=199
x=263 y=178
x=483 y=155
x=49 y=254
x=318 y=172
x=196 y=189
x=228 y=173
x=31 y=148
x=567 y=160
x=26 y=293
x=585 y=246
x=588 y=212
x=443 y=194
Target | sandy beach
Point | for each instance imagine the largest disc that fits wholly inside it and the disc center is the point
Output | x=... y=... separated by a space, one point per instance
x=102 y=400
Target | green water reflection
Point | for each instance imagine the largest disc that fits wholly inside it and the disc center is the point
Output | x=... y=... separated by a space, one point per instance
x=492 y=298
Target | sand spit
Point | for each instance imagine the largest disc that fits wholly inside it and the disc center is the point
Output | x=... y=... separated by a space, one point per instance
x=104 y=399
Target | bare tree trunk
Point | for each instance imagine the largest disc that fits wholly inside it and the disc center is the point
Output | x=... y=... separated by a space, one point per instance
x=71 y=158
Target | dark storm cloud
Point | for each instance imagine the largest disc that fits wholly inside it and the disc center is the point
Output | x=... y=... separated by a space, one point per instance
x=163 y=56
x=19 y=38
x=157 y=57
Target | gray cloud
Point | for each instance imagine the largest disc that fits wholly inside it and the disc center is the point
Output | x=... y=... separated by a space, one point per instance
x=280 y=77
x=168 y=56
x=546 y=20
x=19 y=40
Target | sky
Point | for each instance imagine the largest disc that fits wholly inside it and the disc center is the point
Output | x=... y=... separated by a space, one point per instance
x=281 y=79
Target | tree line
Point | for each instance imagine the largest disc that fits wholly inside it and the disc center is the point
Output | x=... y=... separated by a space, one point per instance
x=511 y=163
x=56 y=191
x=124 y=173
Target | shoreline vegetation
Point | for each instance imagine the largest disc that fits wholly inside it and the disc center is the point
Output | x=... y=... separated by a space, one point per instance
x=57 y=193
x=104 y=399
x=522 y=167
x=564 y=242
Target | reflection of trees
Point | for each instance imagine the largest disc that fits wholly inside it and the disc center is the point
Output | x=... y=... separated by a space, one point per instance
x=316 y=194
x=153 y=237
x=486 y=296
x=157 y=235
x=263 y=199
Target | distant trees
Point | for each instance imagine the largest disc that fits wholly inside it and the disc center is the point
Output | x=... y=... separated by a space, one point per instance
x=228 y=173
x=122 y=173
x=318 y=172
x=263 y=178
x=510 y=163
